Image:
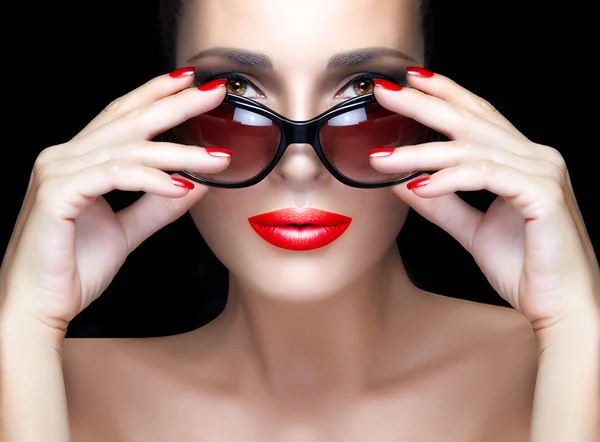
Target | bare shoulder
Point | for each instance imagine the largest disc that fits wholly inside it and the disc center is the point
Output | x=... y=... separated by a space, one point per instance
x=500 y=328
x=496 y=363
x=98 y=384
x=110 y=382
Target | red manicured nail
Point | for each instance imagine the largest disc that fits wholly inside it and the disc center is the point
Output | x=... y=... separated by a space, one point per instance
x=182 y=183
x=388 y=85
x=381 y=152
x=418 y=71
x=183 y=72
x=218 y=152
x=219 y=82
x=421 y=182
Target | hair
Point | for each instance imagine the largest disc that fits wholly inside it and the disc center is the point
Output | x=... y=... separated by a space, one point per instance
x=170 y=13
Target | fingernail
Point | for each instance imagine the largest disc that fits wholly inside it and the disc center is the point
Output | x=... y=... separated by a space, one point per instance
x=417 y=71
x=218 y=152
x=381 y=152
x=387 y=85
x=421 y=182
x=182 y=183
x=183 y=72
x=211 y=85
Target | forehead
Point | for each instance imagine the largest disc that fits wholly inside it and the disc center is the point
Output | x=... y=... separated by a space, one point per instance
x=300 y=33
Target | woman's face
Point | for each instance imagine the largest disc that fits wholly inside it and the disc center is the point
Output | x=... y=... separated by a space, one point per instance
x=300 y=38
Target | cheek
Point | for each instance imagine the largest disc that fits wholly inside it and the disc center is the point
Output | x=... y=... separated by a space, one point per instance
x=222 y=219
x=380 y=217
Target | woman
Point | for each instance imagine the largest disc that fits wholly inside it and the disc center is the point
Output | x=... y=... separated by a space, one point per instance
x=323 y=337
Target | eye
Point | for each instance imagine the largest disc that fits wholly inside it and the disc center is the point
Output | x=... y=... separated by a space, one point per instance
x=357 y=86
x=238 y=85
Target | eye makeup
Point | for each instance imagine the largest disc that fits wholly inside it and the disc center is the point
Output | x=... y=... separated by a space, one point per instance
x=397 y=76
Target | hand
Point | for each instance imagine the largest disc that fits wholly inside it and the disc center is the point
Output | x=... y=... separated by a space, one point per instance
x=68 y=243
x=531 y=243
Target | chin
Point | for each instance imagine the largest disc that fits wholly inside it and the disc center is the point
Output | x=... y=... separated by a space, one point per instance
x=298 y=277
x=293 y=284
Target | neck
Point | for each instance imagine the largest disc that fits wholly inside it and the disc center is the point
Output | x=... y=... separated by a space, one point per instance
x=334 y=344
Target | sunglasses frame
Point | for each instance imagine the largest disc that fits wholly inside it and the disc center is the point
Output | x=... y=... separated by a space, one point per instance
x=300 y=132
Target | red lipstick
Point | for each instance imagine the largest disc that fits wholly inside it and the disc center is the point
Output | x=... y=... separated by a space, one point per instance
x=300 y=229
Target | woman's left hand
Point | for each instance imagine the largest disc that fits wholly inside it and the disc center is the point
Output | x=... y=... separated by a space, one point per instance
x=531 y=243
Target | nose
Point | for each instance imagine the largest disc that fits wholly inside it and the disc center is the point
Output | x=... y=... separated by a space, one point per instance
x=299 y=166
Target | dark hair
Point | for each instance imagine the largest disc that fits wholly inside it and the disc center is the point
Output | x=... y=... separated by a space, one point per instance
x=170 y=13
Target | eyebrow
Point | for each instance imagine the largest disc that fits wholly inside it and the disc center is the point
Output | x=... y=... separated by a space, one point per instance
x=237 y=56
x=360 y=56
x=261 y=61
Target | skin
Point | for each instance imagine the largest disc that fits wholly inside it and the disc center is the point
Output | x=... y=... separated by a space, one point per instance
x=353 y=352
x=323 y=357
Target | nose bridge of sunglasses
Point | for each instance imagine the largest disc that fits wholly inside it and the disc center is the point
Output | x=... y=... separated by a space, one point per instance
x=295 y=132
x=306 y=131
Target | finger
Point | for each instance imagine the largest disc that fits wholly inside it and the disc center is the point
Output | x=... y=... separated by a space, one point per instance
x=61 y=200
x=151 y=213
x=442 y=87
x=160 y=155
x=441 y=155
x=158 y=117
x=533 y=197
x=448 y=212
x=151 y=91
x=542 y=203
x=455 y=122
x=67 y=196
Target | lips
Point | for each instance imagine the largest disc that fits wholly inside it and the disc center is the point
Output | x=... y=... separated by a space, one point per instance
x=300 y=229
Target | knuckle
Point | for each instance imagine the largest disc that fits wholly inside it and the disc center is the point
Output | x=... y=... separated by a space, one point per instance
x=497 y=156
x=486 y=167
x=485 y=107
x=466 y=115
x=41 y=172
x=116 y=107
x=555 y=157
x=464 y=121
x=118 y=168
x=467 y=149
x=558 y=174
x=115 y=166
x=112 y=152
x=558 y=166
x=104 y=155
x=44 y=157
x=134 y=115
x=43 y=163
x=136 y=121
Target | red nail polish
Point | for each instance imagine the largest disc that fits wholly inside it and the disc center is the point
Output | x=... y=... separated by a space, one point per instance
x=218 y=152
x=182 y=183
x=420 y=72
x=381 y=152
x=421 y=182
x=183 y=72
x=388 y=85
x=219 y=82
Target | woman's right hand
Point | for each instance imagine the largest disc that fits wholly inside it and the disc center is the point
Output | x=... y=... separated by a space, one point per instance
x=68 y=243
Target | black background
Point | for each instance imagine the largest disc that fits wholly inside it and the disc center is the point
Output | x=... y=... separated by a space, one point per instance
x=78 y=56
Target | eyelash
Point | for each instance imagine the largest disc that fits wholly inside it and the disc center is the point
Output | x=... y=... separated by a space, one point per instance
x=395 y=77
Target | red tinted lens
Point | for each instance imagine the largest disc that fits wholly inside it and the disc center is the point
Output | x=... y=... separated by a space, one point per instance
x=348 y=137
x=252 y=138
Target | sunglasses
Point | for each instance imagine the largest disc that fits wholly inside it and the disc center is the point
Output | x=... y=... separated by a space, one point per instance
x=341 y=137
